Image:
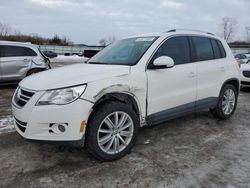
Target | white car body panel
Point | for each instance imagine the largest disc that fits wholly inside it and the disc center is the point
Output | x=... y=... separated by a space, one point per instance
x=179 y=91
x=153 y=90
x=245 y=81
x=76 y=74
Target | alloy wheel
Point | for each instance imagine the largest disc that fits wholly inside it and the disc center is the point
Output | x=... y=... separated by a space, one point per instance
x=115 y=132
x=228 y=101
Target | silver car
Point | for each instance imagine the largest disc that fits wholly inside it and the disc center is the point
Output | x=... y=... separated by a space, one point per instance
x=243 y=58
x=18 y=60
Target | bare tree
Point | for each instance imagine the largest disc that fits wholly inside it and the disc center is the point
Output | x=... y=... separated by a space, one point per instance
x=103 y=42
x=66 y=41
x=5 y=29
x=228 y=27
x=109 y=40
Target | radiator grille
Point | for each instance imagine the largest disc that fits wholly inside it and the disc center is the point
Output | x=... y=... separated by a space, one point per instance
x=246 y=74
x=21 y=125
x=22 y=96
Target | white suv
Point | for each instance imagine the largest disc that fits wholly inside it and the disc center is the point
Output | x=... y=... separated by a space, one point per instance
x=136 y=81
x=18 y=60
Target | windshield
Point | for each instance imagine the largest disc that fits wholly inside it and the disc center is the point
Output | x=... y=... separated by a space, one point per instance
x=123 y=52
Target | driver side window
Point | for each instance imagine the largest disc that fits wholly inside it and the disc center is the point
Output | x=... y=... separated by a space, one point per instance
x=177 y=48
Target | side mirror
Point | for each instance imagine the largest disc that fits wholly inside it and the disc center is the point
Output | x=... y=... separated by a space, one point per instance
x=163 y=62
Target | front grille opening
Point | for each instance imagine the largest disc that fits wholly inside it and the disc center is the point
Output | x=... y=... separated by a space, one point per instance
x=22 y=97
x=27 y=93
x=246 y=74
x=21 y=125
x=245 y=83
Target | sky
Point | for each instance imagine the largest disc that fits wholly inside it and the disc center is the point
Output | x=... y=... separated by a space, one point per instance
x=88 y=21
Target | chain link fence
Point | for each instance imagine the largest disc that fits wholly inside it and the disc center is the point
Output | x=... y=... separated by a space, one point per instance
x=68 y=49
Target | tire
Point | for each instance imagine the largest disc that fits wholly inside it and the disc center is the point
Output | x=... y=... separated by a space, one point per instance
x=221 y=111
x=99 y=127
x=34 y=71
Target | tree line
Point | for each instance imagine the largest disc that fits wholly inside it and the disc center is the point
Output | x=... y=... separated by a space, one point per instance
x=9 y=34
x=227 y=30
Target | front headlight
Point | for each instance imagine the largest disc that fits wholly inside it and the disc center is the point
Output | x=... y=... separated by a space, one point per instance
x=61 y=96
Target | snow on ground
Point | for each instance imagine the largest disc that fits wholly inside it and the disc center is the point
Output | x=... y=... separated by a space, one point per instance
x=68 y=59
x=7 y=124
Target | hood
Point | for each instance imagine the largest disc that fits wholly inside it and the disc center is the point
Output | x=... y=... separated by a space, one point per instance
x=72 y=75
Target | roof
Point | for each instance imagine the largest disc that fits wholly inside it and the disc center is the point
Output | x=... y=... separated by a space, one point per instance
x=17 y=43
x=176 y=32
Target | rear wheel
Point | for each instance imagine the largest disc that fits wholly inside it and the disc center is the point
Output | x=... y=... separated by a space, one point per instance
x=227 y=102
x=112 y=131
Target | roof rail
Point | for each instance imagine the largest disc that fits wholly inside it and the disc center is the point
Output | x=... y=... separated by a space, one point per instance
x=174 y=30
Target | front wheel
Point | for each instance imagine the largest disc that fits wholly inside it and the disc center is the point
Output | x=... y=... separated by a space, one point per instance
x=112 y=131
x=227 y=102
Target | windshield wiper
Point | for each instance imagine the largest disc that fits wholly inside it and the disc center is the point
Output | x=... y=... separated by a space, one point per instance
x=99 y=63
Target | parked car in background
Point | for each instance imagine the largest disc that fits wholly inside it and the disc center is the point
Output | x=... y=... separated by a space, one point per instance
x=245 y=75
x=18 y=60
x=50 y=54
x=243 y=58
x=133 y=82
x=90 y=53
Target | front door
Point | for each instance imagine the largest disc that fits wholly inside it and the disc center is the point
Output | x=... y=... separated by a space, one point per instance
x=171 y=91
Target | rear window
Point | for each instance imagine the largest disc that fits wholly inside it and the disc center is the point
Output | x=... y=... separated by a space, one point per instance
x=222 y=50
x=1 y=51
x=17 y=51
x=203 y=48
x=216 y=49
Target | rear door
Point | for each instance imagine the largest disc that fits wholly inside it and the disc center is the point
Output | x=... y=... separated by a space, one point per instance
x=15 y=62
x=211 y=70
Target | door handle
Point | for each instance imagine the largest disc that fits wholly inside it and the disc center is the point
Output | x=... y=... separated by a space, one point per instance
x=222 y=69
x=191 y=75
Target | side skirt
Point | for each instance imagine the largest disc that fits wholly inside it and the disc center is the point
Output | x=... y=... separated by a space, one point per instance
x=182 y=110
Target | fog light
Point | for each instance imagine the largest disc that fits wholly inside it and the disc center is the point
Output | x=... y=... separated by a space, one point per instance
x=58 y=128
x=61 y=128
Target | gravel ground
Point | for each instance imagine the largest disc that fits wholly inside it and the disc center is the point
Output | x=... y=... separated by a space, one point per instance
x=193 y=151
